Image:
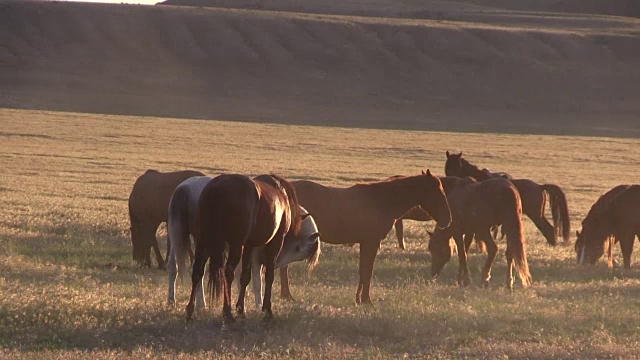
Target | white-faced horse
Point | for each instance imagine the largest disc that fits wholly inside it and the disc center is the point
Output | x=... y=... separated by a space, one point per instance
x=181 y=222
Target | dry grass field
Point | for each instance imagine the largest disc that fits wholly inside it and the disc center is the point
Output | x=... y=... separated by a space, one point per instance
x=69 y=288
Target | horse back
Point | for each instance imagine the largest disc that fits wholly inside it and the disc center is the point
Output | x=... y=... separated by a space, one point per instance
x=485 y=203
x=151 y=192
x=626 y=208
x=343 y=215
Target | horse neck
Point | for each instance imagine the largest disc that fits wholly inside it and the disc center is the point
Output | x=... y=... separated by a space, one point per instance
x=395 y=197
x=473 y=171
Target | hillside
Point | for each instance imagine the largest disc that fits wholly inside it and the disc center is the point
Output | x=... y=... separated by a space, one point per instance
x=446 y=67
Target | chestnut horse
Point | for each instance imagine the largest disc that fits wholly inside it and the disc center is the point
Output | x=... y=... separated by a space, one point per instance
x=533 y=197
x=364 y=214
x=148 y=204
x=476 y=207
x=243 y=214
x=620 y=218
x=591 y=220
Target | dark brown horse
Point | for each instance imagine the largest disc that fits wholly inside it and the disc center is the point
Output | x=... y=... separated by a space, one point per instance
x=243 y=214
x=621 y=219
x=364 y=214
x=592 y=221
x=533 y=197
x=476 y=207
x=148 y=204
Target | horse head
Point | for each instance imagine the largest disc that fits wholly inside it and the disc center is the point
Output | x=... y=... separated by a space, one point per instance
x=305 y=245
x=435 y=200
x=453 y=166
x=441 y=250
x=591 y=243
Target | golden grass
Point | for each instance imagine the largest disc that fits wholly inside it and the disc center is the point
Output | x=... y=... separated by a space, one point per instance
x=68 y=287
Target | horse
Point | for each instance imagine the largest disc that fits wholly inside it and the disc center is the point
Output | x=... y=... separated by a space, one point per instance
x=180 y=225
x=148 y=204
x=591 y=220
x=621 y=219
x=476 y=207
x=241 y=213
x=533 y=197
x=365 y=212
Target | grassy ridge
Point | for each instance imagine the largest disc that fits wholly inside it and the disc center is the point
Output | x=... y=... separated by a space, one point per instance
x=68 y=286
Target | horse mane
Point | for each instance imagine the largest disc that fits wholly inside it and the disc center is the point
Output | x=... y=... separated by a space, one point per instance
x=603 y=202
x=294 y=204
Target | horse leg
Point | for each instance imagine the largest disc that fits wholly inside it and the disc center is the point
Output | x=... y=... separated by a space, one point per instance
x=159 y=259
x=285 y=289
x=196 y=280
x=272 y=251
x=468 y=239
x=492 y=251
x=245 y=278
x=626 y=244
x=463 y=268
x=235 y=254
x=510 y=265
x=368 y=252
x=400 y=233
x=156 y=249
x=172 y=272
x=201 y=303
x=256 y=275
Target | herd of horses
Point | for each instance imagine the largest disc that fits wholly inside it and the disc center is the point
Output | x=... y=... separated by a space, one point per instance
x=242 y=225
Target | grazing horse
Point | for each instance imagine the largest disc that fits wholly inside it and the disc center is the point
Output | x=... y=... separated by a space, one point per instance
x=591 y=220
x=533 y=197
x=181 y=223
x=364 y=214
x=242 y=214
x=475 y=208
x=148 y=204
x=621 y=219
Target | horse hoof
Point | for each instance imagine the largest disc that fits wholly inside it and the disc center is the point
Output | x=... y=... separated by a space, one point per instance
x=268 y=316
x=240 y=311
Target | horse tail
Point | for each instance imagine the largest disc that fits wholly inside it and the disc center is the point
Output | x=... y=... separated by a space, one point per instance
x=217 y=281
x=178 y=240
x=210 y=242
x=559 y=210
x=516 y=246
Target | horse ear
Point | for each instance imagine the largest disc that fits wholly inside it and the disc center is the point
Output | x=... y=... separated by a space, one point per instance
x=428 y=172
x=448 y=153
x=460 y=153
x=577 y=233
x=423 y=173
